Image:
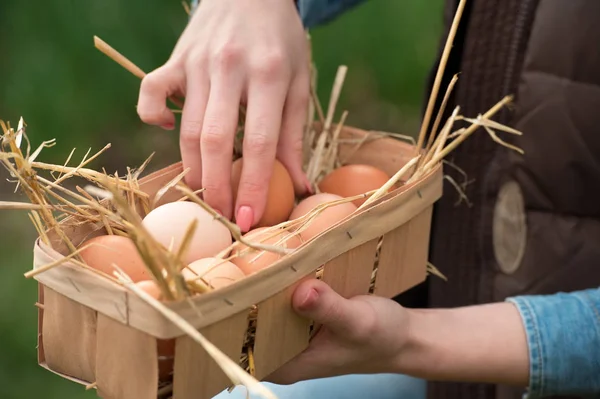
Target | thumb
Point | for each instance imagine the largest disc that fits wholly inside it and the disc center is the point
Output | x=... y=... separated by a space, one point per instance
x=317 y=301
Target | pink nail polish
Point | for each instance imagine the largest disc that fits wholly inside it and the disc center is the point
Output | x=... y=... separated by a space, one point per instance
x=168 y=126
x=245 y=218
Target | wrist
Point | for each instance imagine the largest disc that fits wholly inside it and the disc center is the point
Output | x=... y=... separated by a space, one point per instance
x=484 y=343
x=416 y=342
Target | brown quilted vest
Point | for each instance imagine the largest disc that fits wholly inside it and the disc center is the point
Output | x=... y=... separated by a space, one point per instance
x=534 y=223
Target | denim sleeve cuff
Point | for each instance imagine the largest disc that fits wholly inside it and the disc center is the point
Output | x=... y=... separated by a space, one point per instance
x=319 y=12
x=563 y=336
x=313 y=12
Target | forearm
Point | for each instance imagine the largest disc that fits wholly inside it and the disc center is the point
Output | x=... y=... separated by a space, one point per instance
x=549 y=343
x=484 y=343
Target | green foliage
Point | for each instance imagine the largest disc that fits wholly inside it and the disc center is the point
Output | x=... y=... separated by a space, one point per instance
x=64 y=87
x=389 y=47
x=51 y=74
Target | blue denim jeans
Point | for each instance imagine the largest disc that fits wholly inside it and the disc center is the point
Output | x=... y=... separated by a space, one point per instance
x=378 y=386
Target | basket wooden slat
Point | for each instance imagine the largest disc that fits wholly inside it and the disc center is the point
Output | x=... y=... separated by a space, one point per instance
x=350 y=273
x=404 y=255
x=68 y=329
x=276 y=346
x=196 y=373
x=126 y=365
x=41 y=352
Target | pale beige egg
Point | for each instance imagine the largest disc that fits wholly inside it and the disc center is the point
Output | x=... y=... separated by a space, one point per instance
x=216 y=272
x=168 y=224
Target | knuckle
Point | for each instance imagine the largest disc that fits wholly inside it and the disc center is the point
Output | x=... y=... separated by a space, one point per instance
x=195 y=61
x=258 y=144
x=270 y=66
x=227 y=56
x=190 y=132
x=331 y=313
x=252 y=187
x=212 y=137
x=154 y=82
x=211 y=187
x=366 y=329
x=149 y=82
x=174 y=63
x=216 y=193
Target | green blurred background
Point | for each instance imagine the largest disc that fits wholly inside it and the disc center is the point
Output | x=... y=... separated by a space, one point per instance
x=52 y=75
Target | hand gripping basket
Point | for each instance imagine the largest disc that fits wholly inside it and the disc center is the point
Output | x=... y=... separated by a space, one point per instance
x=94 y=331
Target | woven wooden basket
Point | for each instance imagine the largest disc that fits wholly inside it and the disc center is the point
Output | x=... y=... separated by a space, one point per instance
x=92 y=330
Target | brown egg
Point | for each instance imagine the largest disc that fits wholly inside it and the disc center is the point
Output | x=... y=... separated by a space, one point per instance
x=351 y=180
x=150 y=287
x=104 y=251
x=281 y=196
x=326 y=218
x=253 y=261
x=165 y=347
x=216 y=272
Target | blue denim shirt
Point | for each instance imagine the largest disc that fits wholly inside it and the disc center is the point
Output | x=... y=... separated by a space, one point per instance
x=563 y=330
x=316 y=12
x=563 y=335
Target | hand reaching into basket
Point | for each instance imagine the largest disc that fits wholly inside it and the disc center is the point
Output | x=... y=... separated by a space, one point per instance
x=369 y=335
x=236 y=52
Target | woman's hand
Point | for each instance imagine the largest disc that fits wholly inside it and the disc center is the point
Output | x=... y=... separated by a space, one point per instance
x=369 y=334
x=362 y=335
x=232 y=52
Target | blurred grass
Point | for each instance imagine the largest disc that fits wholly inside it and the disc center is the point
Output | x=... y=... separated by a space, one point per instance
x=51 y=74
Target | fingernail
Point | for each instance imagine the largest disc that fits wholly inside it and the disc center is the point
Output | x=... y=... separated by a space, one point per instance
x=168 y=126
x=245 y=218
x=309 y=300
